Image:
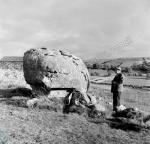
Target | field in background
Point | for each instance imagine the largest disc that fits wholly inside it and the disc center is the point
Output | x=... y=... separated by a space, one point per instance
x=134 y=80
x=100 y=71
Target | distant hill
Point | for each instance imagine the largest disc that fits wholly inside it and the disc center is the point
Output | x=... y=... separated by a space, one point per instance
x=11 y=59
x=126 y=62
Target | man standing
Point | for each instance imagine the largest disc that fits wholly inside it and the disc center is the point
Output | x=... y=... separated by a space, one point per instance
x=117 y=88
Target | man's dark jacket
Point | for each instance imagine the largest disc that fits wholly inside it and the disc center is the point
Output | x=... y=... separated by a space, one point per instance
x=117 y=83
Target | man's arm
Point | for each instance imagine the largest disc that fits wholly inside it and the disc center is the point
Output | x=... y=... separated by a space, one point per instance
x=119 y=81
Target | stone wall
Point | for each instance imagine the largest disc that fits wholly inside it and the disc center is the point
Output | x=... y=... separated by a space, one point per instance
x=11 y=65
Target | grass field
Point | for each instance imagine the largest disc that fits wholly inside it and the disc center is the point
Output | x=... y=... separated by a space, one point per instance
x=43 y=126
x=130 y=97
x=46 y=124
x=133 y=80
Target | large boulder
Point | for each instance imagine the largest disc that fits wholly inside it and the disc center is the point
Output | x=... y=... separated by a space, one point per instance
x=46 y=69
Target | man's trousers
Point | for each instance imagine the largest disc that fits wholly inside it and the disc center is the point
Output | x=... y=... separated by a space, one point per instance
x=116 y=100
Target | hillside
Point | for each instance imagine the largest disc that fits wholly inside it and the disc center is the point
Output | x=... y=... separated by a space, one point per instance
x=126 y=62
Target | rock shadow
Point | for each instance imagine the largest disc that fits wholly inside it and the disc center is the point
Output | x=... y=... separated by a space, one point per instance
x=9 y=93
x=127 y=125
x=16 y=97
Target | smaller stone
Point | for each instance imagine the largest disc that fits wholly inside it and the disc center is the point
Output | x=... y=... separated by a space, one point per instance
x=32 y=102
x=100 y=107
x=121 y=108
x=100 y=99
x=58 y=93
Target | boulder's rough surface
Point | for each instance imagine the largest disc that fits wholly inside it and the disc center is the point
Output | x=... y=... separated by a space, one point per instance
x=46 y=69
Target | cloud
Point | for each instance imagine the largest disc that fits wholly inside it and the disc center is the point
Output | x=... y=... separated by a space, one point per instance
x=83 y=27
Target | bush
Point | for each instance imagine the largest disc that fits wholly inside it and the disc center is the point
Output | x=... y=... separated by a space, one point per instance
x=129 y=74
x=134 y=66
x=139 y=74
x=109 y=73
x=106 y=67
x=128 y=69
x=148 y=76
x=113 y=67
x=136 y=74
x=89 y=66
x=97 y=66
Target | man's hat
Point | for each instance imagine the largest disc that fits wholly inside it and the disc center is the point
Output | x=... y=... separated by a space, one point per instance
x=118 y=68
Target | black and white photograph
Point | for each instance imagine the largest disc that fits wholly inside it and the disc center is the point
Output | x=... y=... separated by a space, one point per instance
x=74 y=71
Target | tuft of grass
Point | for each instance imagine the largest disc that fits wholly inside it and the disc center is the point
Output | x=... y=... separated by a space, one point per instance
x=52 y=104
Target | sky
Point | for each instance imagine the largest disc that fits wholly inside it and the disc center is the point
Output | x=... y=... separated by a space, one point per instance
x=85 y=28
